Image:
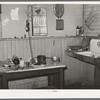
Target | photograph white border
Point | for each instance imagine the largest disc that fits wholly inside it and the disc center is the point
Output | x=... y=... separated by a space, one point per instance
x=49 y=93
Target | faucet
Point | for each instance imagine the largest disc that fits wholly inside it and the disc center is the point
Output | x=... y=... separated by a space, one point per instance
x=98 y=43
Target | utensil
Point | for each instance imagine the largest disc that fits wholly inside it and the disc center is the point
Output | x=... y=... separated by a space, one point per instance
x=41 y=59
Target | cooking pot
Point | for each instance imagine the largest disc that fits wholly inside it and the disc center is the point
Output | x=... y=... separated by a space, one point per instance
x=41 y=59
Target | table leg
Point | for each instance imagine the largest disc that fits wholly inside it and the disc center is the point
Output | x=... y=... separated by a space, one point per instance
x=55 y=80
x=97 y=77
x=50 y=78
x=5 y=83
x=61 y=79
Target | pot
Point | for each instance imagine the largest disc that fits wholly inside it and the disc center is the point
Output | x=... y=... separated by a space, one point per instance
x=41 y=59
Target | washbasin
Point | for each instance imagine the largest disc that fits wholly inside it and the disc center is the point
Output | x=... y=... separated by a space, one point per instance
x=94 y=49
x=85 y=53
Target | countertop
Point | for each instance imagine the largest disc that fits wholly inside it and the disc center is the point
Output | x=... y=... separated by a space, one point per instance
x=88 y=59
x=34 y=68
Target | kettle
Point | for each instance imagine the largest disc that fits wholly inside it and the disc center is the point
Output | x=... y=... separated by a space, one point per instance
x=41 y=59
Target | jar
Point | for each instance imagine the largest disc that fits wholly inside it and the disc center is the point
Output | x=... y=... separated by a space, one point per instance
x=77 y=30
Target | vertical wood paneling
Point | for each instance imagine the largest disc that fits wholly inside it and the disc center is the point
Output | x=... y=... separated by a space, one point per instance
x=56 y=48
x=88 y=74
x=59 y=51
x=17 y=48
x=25 y=49
x=1 y=50
x=63 y=51
x=43 y=46
x=37 y=47
x=33 y=47
x=21 y=48
x=5 y=50
x=28 y=53
x=76 y=67
x=40 y=46
x=10 y=49
x=48 y=47
x=44 y=49
x=77 y=71
x=13 y=47
x=2 y=46
x=67 y=62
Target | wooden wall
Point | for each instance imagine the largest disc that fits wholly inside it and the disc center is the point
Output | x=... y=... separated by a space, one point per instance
x=92 y=11
x=48 y=46
x=77 y=71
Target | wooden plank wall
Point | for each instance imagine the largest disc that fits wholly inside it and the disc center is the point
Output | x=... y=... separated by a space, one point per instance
x=49 y=46
x=95 y=8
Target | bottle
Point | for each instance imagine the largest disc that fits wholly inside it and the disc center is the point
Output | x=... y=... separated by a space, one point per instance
x=77 y=30
x=81 y=32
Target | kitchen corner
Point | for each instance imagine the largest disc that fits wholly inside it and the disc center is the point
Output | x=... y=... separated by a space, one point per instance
x=90 y=56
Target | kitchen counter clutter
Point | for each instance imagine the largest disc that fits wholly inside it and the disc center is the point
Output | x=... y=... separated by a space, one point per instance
x=55 y=69
x=33 y=67
x=17 y=64
x=15 y=69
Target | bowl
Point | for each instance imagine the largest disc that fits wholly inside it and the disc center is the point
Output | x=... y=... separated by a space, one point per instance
x=75 y=48
x=55 y=59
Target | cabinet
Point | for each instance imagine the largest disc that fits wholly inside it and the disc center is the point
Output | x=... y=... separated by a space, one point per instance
x=84 y=69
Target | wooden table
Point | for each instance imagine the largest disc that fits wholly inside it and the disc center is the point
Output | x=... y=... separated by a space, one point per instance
x=90 y=60
x=58 y=70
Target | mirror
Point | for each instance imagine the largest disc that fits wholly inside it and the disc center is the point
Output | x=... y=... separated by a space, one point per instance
x=59 y=10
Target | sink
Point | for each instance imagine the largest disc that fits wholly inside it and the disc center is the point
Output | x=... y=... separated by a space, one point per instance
x=85 y=53
x=94 y=49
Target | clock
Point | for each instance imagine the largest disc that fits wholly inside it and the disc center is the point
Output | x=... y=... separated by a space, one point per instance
x=59 y=10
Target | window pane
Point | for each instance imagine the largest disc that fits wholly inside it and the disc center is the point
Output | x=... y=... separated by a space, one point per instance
x=39 y=21
x=43 y=21
x=36 y=29
x=43 y=30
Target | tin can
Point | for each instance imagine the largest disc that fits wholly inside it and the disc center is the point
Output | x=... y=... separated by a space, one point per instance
x=27 y=64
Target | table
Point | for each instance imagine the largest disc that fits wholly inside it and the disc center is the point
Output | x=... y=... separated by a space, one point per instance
x=56 y=70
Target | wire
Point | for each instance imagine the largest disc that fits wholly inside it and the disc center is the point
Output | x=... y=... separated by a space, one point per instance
x=30 y=43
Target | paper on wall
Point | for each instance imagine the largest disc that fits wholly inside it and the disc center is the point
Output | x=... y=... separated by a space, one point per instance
x=14 y=14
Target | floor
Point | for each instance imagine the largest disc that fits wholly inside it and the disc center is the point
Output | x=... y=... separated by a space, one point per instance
x=78 y=86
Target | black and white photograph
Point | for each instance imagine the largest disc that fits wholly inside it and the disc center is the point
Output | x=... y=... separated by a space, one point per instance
x=49 y=46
